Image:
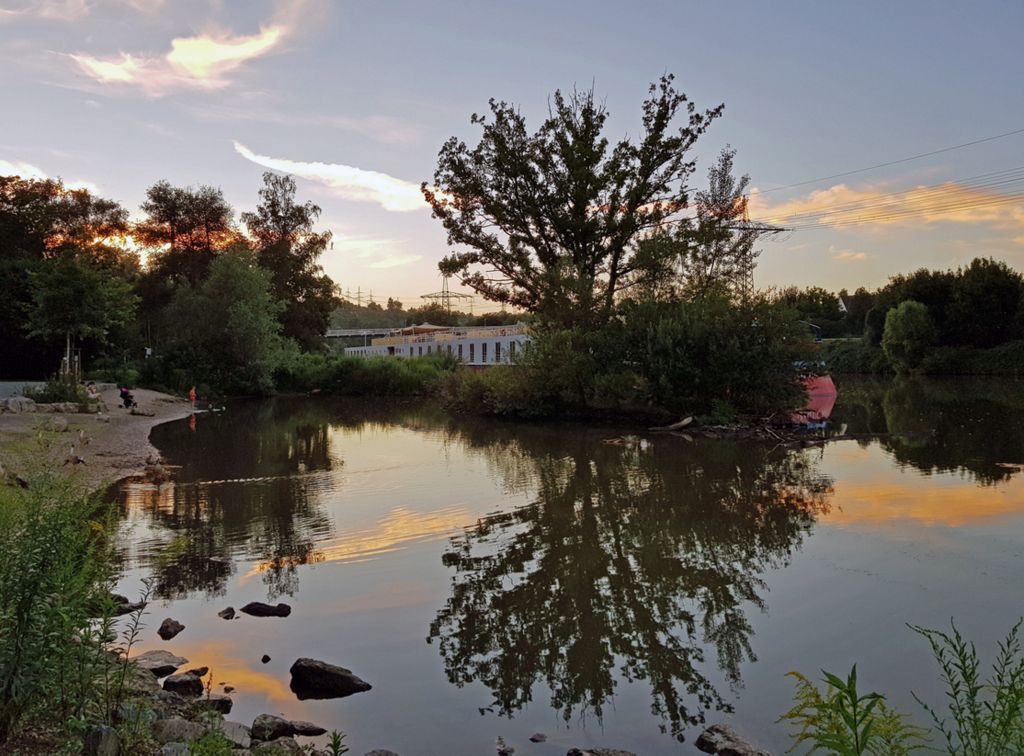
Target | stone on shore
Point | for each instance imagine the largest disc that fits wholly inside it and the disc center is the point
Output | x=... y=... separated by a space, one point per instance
x=220 y=702
x=169 y=628
x=265 y=658
x=239 y=735
x=177 y=730
x=316 y=679
x=299 y=727
x=184 y=684
x=270 y=727
x=538 y=737
x=17 y=405
x=174 y=749
x=723 y=740
x=56 y=424
x=278 y=745
x=198 y=671
x=259 y=609
x=100 y=740
x=227 y=614
x=599 y=752
x=160 y=663
x=381 y=752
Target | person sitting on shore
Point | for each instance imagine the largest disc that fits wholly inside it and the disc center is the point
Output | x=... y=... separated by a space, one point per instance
x=95 y=396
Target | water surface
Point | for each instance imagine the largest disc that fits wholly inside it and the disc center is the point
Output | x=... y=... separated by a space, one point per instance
x=493 y=578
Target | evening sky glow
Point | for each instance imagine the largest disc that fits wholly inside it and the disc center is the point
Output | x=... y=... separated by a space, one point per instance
x=355 y=99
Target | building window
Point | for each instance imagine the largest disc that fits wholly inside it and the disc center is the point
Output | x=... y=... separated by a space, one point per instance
x=449 y=350
x=421 y=351
x=483 y=352
x=497 y=351
x=511 y=350
x=472 y=352
x=460 y=352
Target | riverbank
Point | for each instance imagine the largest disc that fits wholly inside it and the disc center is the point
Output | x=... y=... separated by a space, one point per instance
x=112 y=444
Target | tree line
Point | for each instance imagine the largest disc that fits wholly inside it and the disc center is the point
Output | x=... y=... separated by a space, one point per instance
x=217 y=301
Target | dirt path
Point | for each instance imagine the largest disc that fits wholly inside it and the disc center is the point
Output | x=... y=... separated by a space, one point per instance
x=112 y=450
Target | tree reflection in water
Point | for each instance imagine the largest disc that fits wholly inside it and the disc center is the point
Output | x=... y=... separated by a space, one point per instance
x=274 y=519
x=640 y=559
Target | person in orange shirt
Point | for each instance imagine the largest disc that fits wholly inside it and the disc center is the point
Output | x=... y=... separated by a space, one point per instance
x=192 y=396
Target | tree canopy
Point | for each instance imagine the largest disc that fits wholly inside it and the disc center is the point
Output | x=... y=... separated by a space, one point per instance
x=550 y=221
x=288 y=246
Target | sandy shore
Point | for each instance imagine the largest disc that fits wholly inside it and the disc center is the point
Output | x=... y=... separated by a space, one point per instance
x=114 y=449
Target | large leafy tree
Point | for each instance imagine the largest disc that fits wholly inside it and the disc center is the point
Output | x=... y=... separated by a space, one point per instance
x=288 y=246
x=73 y=300
x=226 y=330
x=550 y=221
x=42 y=223
x=188 y=227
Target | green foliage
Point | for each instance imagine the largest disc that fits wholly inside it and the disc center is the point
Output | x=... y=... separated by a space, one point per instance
x=363 y=376
x=288 y=247
x=855 y=356
x=557 y=213
x=227 y=332
x=213 y=743
x=909 y=332
x=986 y=305
x=335 y=746
x=983 y=717
x=842 y=721
x=52 y=577
x=57 y=389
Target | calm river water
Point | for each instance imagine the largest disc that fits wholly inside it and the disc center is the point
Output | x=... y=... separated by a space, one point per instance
x=492 y=578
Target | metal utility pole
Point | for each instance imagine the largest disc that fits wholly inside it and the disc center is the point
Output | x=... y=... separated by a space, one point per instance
x=445 y=297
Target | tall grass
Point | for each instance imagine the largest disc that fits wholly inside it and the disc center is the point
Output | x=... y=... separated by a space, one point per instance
x=55 y=572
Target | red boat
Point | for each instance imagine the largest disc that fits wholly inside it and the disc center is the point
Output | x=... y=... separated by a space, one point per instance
x=821 y=399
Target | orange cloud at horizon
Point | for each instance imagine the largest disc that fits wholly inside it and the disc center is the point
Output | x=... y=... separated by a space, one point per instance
x=842 y=205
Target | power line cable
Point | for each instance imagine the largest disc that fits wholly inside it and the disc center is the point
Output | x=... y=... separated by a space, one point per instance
x=894 y=162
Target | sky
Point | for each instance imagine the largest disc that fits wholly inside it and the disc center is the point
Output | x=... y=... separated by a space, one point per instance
x=355 y=98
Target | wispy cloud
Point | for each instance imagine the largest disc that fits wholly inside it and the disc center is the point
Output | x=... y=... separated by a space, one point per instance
x=921 y=206
x=200 y=62
x=847 y=255
x=394 y=261
x=53 y=10
x=349 y=182
x=29 y=171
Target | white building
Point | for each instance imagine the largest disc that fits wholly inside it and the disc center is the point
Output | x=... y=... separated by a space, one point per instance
x=477 y=345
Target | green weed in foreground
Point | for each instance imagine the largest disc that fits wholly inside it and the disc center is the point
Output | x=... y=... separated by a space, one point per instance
x=843 y=721
x=983 y=717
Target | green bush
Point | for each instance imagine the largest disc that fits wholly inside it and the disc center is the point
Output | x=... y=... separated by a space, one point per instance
x=909 y=332
x=53 y=576
x=57 y=389
x=363 y=376
x=855 y=356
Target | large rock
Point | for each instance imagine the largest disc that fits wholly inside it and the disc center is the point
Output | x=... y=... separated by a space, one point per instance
x=169 y=628
x=237 y=733
x=177 y=730
x=160 y=663
x=100 y=740
x=270 y=727
x=219 y=702
x=17 y=405
x=300 y=727
x=141 y=681
x=56 y=424
x=723 y=740
x=259 y=609
x=599 y=752
x=227 y=614
x=278 y=745
x=316 y=679
x=175 y=749
x=185 y=684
